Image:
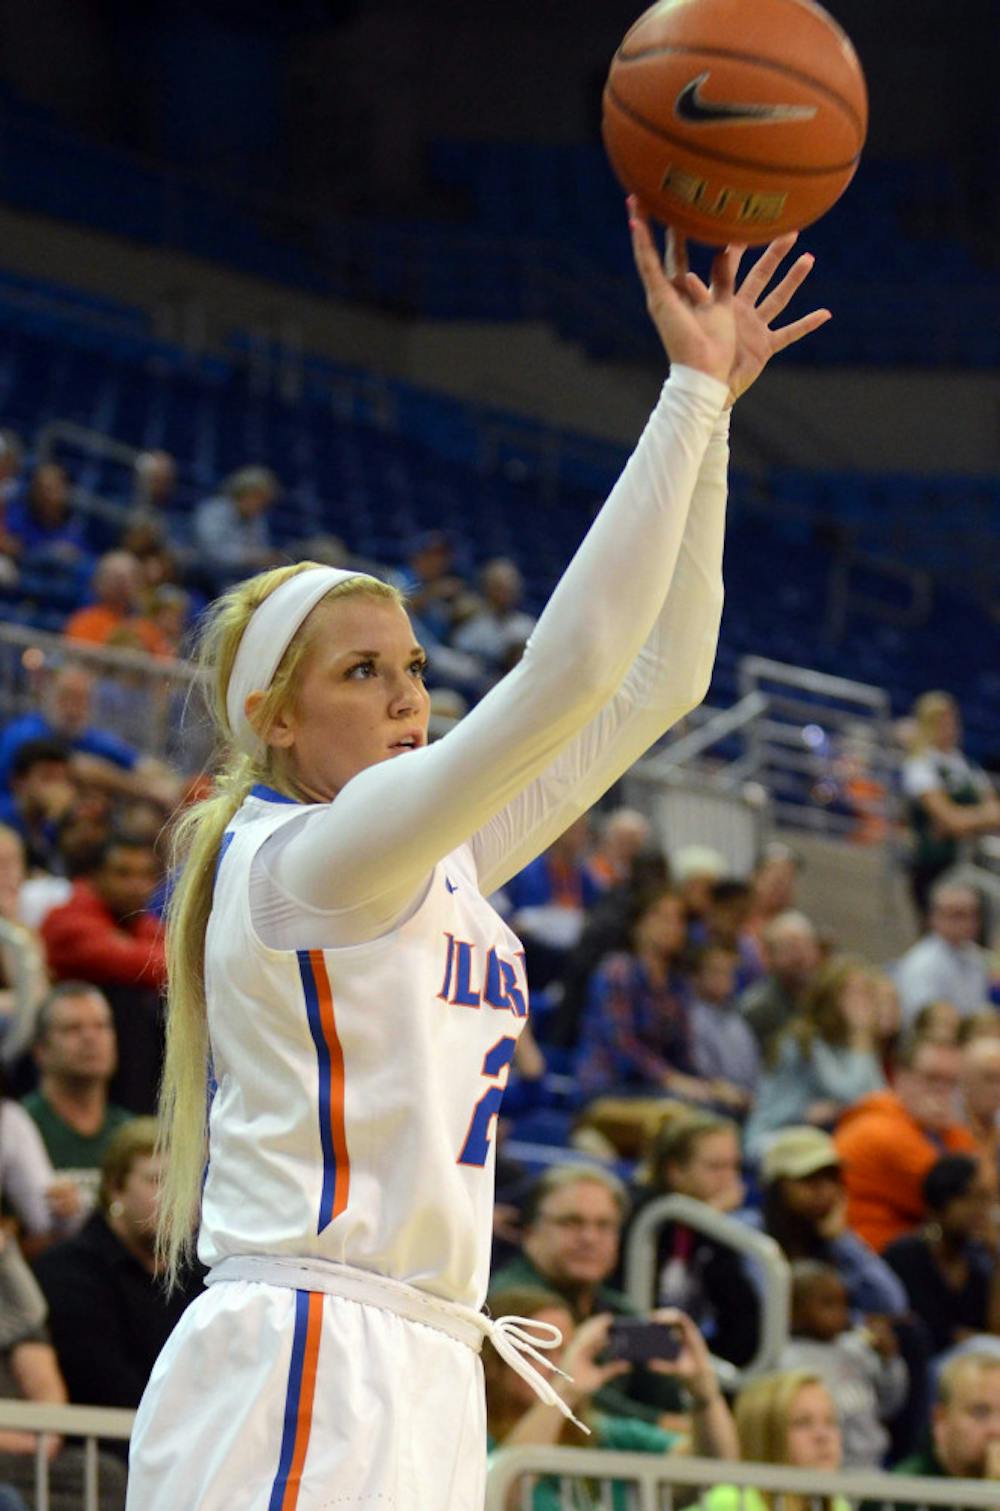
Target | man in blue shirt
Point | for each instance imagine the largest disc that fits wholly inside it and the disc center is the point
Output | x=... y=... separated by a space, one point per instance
x=99 y=757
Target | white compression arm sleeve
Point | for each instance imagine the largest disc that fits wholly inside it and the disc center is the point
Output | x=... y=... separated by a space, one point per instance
x=614 y=660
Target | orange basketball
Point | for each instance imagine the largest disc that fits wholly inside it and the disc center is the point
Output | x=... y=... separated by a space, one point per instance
x=735 y=120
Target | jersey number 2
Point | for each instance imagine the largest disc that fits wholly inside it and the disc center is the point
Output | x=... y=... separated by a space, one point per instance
x=477 y=1140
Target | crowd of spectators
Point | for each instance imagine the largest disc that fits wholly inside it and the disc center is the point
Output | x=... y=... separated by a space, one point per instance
x=695 y=1034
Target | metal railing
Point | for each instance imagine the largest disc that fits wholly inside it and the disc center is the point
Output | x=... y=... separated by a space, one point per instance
x=88 y=1422
x=152 y=704
x=766 y=1256
x=654 y=1480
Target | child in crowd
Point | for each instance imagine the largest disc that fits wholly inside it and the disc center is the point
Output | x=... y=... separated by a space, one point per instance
x=723 y=1045
x=862 y=1369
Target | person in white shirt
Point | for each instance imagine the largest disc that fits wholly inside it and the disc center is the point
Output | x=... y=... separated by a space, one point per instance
x=950 y=800
x=338 y=977
x=946 y=963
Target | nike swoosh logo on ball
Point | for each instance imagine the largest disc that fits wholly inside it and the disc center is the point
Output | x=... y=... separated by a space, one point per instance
x=689 y=106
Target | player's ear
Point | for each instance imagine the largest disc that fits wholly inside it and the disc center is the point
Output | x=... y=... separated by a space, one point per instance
x=281 y=733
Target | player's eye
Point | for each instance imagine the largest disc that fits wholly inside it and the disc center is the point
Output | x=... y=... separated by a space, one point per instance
x=361 y=670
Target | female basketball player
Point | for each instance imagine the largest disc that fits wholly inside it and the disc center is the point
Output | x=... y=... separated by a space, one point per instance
x=339 y=980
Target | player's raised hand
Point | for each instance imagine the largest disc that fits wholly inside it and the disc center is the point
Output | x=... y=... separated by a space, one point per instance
x=756 y=342
x=697 y=324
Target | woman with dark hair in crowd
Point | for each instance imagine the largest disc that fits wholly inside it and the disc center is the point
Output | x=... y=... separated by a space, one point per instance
x=606 y=930
x=825 y=1060
x=697 y=1155
x=950 y=1269
x=109 y=1314
x=805 y=1212
x=636 y=1031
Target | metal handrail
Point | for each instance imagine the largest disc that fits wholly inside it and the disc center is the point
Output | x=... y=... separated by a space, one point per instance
x=49 y=1420
x=823 y=683
x=690 y=746
x=656 y=1476
x=640 y=1270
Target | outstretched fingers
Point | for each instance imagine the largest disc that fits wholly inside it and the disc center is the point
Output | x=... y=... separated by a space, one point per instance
x=771 y=307
x=766 y=266
x=789 y=334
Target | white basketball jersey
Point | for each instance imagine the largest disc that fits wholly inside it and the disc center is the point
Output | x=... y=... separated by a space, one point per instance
x=357 y=1089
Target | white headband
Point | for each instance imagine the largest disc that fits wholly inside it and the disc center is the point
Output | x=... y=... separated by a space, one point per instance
x=266 y=639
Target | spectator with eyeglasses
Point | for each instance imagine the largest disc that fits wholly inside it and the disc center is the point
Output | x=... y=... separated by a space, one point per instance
x=572 y=1225
x=888 y=1142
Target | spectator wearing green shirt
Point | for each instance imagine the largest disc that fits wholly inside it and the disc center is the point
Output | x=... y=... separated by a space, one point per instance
x=965 y=1424
x=76 y=1053
x=516 y=1418
x=572 y=1224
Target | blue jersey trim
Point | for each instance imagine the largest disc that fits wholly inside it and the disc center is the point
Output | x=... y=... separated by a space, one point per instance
x=293 y=1394
x=272 y=795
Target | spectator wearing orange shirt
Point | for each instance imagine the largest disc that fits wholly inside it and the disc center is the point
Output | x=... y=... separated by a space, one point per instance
x=116 y=618
x=106 y=934
x=889 y=1141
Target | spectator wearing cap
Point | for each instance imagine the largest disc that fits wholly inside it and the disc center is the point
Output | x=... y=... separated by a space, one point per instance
x=695 y=869
x=116 y=618
x=888 y=1142
x=805 y=1211
x=947 y=963
x=231 y=531
x=791 y=955
x=106 y=933
x=42 y=793
x=824 y=1060
x=109 y=1314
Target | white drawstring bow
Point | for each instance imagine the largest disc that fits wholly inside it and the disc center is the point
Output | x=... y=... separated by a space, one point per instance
x=519 y=1341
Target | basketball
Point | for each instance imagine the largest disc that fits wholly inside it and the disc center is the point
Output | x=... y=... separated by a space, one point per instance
x=735 y=120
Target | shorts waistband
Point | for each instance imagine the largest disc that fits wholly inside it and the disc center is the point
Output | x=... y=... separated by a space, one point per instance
x=336 y=1279
x=518 y=1340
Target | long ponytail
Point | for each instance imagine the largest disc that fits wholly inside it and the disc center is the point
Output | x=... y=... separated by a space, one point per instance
x=183 y=1109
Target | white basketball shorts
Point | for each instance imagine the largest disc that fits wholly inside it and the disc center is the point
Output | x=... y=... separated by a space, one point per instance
x=272 y=1399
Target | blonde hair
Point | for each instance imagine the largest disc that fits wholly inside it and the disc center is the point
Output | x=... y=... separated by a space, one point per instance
x=183 y=1112
x=926 y=711
x=762 y=1413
